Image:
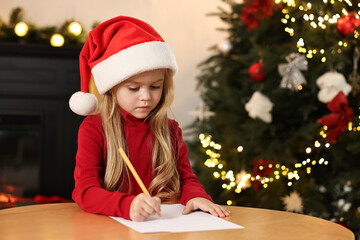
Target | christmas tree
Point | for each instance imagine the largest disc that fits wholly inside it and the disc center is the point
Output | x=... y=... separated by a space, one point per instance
x=282 y=92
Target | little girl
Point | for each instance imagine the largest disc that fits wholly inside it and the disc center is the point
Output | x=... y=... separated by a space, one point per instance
x=133 y=69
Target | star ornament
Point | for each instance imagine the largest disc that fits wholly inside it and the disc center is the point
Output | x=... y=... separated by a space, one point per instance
x=293 y=203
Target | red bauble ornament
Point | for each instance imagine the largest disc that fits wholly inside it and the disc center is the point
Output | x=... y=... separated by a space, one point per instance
x=257 y=71
x=265 y=170
x=347 y=24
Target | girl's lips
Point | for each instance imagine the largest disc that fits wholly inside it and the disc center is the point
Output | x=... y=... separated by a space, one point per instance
x=144 y=107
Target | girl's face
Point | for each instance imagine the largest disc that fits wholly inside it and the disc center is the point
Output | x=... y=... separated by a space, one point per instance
x=141 y=93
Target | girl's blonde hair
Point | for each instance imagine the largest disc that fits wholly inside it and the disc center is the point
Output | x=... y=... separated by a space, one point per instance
x=165 y=183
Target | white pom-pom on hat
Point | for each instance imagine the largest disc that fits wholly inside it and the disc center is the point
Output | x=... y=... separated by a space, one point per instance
x=83 y=103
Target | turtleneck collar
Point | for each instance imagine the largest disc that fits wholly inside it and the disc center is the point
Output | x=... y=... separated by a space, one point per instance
x=132 y=120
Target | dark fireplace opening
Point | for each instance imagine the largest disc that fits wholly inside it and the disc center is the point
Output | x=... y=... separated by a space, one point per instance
x=38 y=131
x=20 y=154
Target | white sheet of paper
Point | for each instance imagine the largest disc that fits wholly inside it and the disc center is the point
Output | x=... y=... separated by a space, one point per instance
x=174 y=221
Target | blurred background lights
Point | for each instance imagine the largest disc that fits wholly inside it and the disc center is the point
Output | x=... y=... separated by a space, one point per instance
x=75 y=28
x=21 y=29
x=57 y=40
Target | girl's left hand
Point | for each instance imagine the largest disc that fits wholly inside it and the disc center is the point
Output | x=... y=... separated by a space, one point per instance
x=207 y=206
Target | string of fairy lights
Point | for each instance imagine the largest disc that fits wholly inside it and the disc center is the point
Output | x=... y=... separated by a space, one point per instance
x=352 y=127
x=238 y=182
x=57 y=40
x=317 y=20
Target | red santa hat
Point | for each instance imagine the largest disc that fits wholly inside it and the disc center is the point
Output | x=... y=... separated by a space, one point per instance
x=114 y=51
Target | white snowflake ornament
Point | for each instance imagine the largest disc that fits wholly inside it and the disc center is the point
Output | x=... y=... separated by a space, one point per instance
x=259 y=106
x=293 y=203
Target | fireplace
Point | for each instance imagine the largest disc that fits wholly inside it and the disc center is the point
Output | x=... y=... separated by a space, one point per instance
x=38 y=131
x=20 y=153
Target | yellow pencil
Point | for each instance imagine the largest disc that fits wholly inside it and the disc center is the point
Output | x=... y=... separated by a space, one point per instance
x=134 y=173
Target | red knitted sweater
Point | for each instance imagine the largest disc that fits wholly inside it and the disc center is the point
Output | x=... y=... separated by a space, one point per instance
x=91 y=162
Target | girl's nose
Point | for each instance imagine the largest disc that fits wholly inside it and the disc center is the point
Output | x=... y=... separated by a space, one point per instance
x=145 y=95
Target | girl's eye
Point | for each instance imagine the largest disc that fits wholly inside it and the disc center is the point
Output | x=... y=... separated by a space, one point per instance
x=155 y=87
x=133 y=88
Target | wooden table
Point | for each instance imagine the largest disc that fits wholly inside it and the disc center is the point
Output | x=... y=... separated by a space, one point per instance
x=67 y=221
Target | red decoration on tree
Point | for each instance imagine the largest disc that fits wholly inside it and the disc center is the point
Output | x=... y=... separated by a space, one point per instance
x=342 y=223
x=257 y=71
x=347 y=24
x=261 y=168
x=254 y=11
x=337 y=121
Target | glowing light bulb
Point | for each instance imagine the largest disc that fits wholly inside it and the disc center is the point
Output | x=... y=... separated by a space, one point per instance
x=57 y=40
x=75 y=28
x=202 y=136
x=21 y=29
x=301 y=42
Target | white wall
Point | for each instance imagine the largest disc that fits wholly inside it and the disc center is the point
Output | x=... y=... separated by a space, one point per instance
x=182 y=23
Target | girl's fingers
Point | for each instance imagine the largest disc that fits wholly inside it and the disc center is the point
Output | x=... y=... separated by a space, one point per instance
x=154 y=203
x=214 y=212
x=227 y=212
x=143 y=206
x=222 y=212
x=149 y=210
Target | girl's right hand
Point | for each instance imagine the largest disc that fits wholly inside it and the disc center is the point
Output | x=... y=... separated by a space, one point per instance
x=143 y=206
